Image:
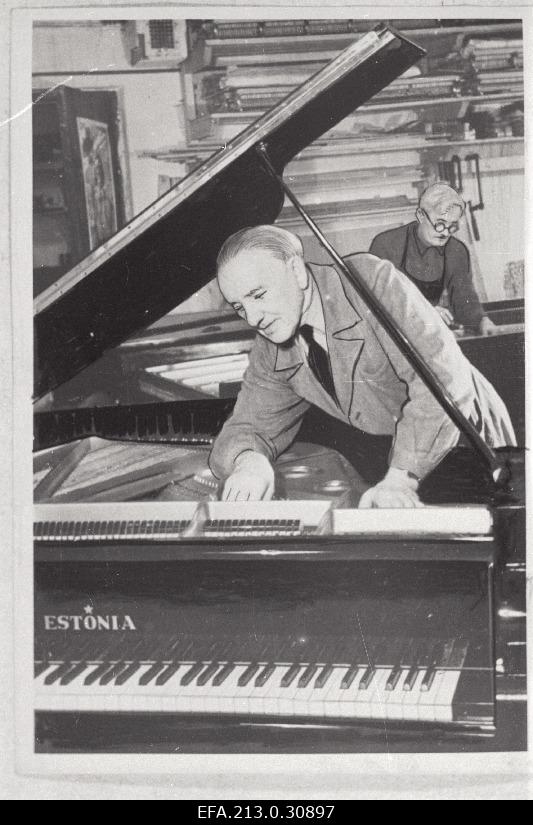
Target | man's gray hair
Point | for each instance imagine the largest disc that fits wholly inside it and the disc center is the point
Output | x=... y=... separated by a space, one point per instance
x=276 y=241
x=441 y=196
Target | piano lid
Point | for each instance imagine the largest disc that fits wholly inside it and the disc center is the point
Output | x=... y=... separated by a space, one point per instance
x=169 y=251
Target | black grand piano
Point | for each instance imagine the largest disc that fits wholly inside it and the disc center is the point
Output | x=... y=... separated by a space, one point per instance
x=169 y=621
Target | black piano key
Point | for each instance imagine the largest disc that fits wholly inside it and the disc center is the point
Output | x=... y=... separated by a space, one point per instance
x=307 y=675
x=248 y=674
x=265 y=675
x=192 y=673
x=435 y=660
x=420 y=661
x=39 y=668
x=290 y=675
x=410 y=679
x=349 y=676
x=429 y=678
x=223 y=674
x=151 y=673
x=167 y=674
x=123 y=677
x=367 y=678
x=394 y=678
x=323 y=676
x=207 y=674
x=56 y=674
x=97 y=673
x=73 y=673
x=111 y=674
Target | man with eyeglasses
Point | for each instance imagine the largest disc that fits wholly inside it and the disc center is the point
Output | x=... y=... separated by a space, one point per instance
x=437 y=262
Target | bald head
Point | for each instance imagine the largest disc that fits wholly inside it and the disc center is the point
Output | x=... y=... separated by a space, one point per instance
x=261 y=272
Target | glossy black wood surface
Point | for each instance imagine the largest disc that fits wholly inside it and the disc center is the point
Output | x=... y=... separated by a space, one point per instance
x=276 y=610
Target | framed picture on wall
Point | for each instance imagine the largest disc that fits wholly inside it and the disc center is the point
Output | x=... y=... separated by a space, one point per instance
x=98 y=184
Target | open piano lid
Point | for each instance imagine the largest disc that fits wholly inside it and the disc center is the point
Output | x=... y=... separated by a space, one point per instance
x=169 y=251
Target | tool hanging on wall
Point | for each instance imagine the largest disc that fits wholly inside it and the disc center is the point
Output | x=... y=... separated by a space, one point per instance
x=479 y=205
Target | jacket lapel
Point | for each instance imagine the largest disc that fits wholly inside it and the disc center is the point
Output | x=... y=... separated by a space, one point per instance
x=344 y=335
x=345 y=340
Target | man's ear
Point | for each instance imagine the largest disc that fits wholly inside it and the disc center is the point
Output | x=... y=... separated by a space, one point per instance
x=299 y=269
x=419 y=215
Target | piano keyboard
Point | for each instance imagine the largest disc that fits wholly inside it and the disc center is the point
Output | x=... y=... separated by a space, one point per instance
x=243 y=528
x=422 y=690
x=109 y=530
x=170 y=520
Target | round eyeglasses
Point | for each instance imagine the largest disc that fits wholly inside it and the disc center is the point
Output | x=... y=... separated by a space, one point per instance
x=442 y=226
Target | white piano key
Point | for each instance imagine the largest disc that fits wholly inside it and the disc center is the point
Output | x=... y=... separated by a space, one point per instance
x=331 y=699
x=39 y=681
x=280 y=700
x=224 y=698
x=350 y=695
x=362 y=698
x=305 y=700
x=322 y=697
x=187 y=698
x=444 y=697
x=393 y=699
x=411 y=698
x=381 y=697
x=243 y=692
x=377 y=698
x=427 y=701
x=262 y=697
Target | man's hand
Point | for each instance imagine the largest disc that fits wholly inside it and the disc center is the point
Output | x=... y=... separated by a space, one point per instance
x=487 y=327
x=446 y=315
x=397 y=489
x=251 y=480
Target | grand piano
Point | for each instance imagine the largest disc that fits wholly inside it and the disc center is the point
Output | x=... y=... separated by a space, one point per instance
x=169 y=621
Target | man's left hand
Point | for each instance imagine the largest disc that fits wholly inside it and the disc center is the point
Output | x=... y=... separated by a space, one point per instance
x=487 y=327
x=397 y=489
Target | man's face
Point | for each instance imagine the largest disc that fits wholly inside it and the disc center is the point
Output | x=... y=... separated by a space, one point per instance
x=434 y=223
x=266 y=292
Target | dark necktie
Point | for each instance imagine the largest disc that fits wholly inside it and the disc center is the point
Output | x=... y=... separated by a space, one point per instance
x=318 y=360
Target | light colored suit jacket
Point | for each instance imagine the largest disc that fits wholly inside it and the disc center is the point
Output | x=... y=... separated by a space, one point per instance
x=377 y=390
